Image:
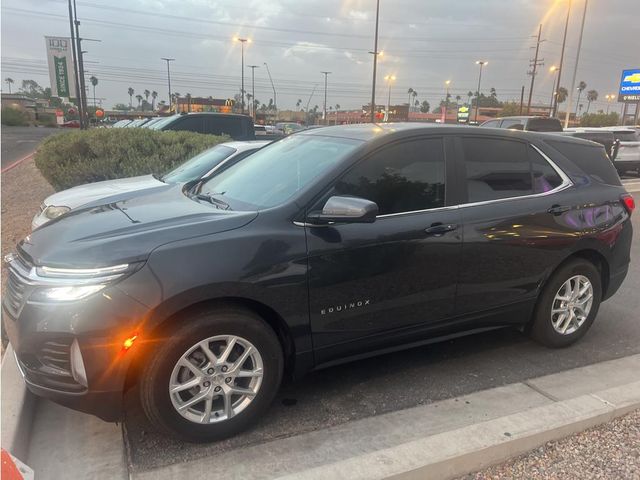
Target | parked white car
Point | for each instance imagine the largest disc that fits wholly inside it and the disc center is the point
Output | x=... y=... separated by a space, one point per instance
x=628 y=157
x=203 y=165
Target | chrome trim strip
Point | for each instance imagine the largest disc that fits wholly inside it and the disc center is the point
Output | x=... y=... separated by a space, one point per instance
x=437 y=209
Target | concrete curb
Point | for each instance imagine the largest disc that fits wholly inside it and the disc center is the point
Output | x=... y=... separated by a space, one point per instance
x=18 y=407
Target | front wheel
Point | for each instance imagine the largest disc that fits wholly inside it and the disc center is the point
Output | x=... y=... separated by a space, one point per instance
x=214 y=376
x=568 y=304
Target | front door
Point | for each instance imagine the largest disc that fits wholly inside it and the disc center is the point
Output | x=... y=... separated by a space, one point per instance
x=370 y=284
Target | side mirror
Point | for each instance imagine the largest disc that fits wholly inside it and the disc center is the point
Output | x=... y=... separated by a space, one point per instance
x=345 y=210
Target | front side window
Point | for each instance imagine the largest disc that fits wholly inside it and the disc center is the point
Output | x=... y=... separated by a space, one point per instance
x=275 y=173
x=513 y=123
x=404 y=177
x=491 y=124
x=230 y=126
x=189 y=124
x=496 y=169
x=196 y=167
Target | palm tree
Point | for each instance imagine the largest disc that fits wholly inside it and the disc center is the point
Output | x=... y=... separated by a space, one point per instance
x=154 y=95
x=9 y=81
x=458 y=98
x=94 y=82
x=562 y=95
x=298 y=103
x=592 y=96
x=188 y=97
x=131 y=91
x=416 y=103
x=139 y=98
x=581 y=86
x=146 y=95
x=410 y=92
x=414 y=95
x=492 y=92
x=469 y=95
x=337 y=107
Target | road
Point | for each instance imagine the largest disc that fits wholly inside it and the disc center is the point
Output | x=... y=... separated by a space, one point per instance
x=409 y=378
x=18 y=142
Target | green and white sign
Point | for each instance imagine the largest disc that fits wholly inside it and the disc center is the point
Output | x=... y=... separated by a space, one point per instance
x=60 y=61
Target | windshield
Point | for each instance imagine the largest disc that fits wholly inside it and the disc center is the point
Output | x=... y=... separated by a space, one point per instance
x=627 y=136
x=275 y=173
x=199 y=165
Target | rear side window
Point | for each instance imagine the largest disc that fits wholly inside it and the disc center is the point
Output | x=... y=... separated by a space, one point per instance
x=230 y=126
x=544 y=176
x=496 y=169
x=404 y=177
x=544 y=125
x=189 y=124
x=512 y=123
x=591 y=159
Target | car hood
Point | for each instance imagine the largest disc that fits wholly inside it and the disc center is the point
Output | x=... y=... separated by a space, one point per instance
x=83 y=194
x=126 y=229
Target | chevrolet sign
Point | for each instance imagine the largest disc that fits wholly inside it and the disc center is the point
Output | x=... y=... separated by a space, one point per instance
x=630 y=86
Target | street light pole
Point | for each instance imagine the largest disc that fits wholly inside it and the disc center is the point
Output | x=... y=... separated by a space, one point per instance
x=76 y=70
x=575 y=68
x=275 y=103
x=564 y=42
x=242 y=42
x=554 y=92
x=482 y=63
x=375 y=65
x=253 y=90
x=446 y=100
x=169 y=80
x=390 y=79
x=324 y=110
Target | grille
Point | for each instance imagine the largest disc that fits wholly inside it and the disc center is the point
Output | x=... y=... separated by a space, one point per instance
x=14 y=298
x=51 y=366
x=56 y=356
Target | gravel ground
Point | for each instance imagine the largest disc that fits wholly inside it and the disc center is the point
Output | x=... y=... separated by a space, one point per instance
x=608 y=452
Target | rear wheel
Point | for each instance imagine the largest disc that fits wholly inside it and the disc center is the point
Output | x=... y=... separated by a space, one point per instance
x=214 y=376
x=568 y=304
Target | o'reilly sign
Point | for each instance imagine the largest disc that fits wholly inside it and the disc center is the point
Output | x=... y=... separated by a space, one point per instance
x=60 y=61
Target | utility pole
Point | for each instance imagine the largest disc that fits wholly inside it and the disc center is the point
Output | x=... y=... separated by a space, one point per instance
x=309 y=101
x=375 y=65
x=169 y=81
x=575 y=69
x=324 y=110
x=242 y=42
x=253 y=90
x=535 y=63
x=83 y=93
x=564 y=42
x=75 y=62
x=521 y=99
x=275 y=103
x=446 y=100
x=553 y=69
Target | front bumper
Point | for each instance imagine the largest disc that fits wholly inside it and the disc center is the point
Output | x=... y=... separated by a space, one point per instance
x=42 y=336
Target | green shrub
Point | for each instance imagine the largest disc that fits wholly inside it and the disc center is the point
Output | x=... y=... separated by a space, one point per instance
x=47 y=120
x=14 y=117
x=78 y=157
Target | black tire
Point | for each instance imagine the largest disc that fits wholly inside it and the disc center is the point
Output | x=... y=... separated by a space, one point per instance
x=155 y=377
x=541 y=328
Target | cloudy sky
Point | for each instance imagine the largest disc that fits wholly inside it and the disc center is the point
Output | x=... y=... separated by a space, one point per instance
x=425 y=42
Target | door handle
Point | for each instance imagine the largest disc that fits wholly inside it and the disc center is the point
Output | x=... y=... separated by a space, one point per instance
x=439 y=228
x=558 y=209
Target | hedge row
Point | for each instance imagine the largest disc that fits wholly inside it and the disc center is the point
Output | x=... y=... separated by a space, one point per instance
x=78 y=157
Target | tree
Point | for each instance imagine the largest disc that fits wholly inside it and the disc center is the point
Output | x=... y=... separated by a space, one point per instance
x=337 y=106
x=410 y=92
x=458 y=98
x=492 y=93
x=562 y=95
x=600 y=119
x=31 y=89
x=188 y=97
x=592 y=96
x=146 y=95
x=298 y=103
x=9 y=81
x=416 y=103
x=139 y=98
x=581 y=86
x=469 y=95
x=154 y=95
x=121 y=106
x=414 y=95
x=425 y=107
x=131 y=91
x=94 y=82
x=510 y=109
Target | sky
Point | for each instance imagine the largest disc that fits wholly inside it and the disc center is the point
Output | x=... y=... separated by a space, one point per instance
x=425 y=43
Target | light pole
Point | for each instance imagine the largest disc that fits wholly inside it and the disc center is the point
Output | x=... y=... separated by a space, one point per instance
x=390 y=79
x=564 y=42
x=242 y=42
x=253 y=90
x=275 y=103
x=575 y=68
x=169 y=80
x=375 y=54
x=446 y=99
x=609 y=98
x=554 y=92
x=324 y=109
x=482 y=63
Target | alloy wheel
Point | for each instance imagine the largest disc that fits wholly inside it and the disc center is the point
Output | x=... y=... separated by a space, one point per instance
x=571 y=305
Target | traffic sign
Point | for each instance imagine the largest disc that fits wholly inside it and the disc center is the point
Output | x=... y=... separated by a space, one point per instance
x=630 y=86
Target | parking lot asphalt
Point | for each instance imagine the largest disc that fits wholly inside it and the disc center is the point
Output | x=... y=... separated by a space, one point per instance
x=409 y=378
x=18 y=142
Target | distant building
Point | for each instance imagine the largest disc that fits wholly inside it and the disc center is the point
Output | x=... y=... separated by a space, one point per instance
x=202 y=104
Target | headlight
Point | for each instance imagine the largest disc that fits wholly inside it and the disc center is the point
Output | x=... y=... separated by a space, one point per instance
x=55 y=284
x=52 y=211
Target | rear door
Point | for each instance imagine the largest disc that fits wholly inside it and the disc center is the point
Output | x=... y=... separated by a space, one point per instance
x=519 y=217
x=369 y=284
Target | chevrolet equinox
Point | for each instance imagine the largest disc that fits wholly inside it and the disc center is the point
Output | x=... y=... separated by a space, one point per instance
x=328 y=245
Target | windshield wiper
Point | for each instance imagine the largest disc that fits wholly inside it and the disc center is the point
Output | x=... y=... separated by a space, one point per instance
x=221 y=204
x=158 y=177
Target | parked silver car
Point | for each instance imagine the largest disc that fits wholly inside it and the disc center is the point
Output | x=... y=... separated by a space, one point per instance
x=201 y=166
x=628 y=158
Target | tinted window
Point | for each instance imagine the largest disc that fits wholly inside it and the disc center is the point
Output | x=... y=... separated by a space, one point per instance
x=491 y=123
x=511 y=122
x=545 y=178
x=627 y=136
x=199 y=165
x=276 y=172
x=401 y=178
x=593 y=160
x=544 y=125
x=496 y=169
x=230 y=126
x=190 y=124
